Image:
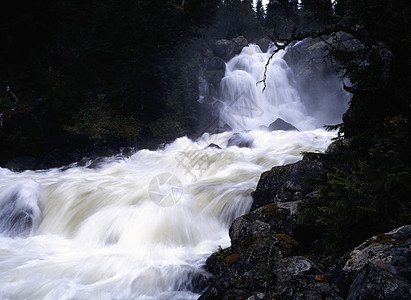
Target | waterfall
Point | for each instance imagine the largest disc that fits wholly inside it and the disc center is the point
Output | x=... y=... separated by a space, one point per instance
x=244 y=104
x=142 y=227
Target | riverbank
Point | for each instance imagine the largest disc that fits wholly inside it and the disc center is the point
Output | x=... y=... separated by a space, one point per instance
x=272 y=256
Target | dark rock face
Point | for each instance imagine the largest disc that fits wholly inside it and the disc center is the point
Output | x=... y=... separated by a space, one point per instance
x=269 y=218
x=212 y=145
x=300 y=278
x=316 y=80
x=264 y=43
x=240 y=140
x=22 y=163
x=280 y=124
x=226 y=49
x=380 y=268
x=285 y=183
x=261 y=262
x=55 y=158
x=266 y=265
x=221 y=51
x=265 y=262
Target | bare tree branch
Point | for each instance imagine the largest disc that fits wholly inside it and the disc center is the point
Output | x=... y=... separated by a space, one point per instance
x=355 y=31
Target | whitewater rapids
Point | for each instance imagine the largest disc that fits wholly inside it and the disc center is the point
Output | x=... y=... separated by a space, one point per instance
x=101 y=233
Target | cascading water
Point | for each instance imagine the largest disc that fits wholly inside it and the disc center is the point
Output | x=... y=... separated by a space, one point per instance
x=245 y=106
x=142 y=227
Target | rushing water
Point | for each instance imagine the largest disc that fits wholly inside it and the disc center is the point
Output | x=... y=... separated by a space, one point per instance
x=245 y=106
x=142 y=227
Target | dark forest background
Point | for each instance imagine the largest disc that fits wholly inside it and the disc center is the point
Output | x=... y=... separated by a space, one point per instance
x=123 y=71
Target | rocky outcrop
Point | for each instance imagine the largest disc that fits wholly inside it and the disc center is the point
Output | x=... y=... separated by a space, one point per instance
x=265 y=260
x=221 y=51
x=22 y=163
x=264 y=44
x=300 y=278
x=316 y=79
x=280 y=124
x=286 y=183
x=240 y=140
x=380 y=268
x=226 y=49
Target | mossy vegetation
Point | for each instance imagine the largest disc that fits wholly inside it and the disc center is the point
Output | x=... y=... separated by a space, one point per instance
x=288 y=245
x=365 y=185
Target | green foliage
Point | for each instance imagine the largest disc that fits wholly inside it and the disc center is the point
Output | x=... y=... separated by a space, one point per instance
x=280 y=15
x=260 y=12
x=235 y=18
x=359 y=201
x=266 y=261
x=220 y=253
x=97 y=120
x=366 y=181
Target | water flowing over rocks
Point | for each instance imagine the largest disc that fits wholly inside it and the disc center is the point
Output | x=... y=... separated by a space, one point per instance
x=221 y=51
x=240 y=140
x=19 y=211
x=316 y=78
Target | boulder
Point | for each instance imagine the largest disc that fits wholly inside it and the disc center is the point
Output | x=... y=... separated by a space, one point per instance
x=22 y=163
x=19 y=210
x=264 y=44
x=258 y=241
x=266 y=219
x=299 y=278
x=214 y=63
x=56 y=158
x=212 y=145
x=285 y=183
x=261 y=267
x=380 y=268
x=240 y=140
x=226 y=49
x=280 y=124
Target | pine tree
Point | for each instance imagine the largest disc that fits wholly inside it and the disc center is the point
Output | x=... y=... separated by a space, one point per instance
x=260 y=12
x=321 y=9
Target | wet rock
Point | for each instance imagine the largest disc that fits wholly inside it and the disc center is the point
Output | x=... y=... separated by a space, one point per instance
x=316 y=81
x=258 y=241
x=280 y=124
x=336 y=147
x=212 y=145
x=243 y=273
x=285 y=183
x=22 y=163
x=19 y=211
x=226 y=49
x=380 y=268
x=269 y=218
x=55 y=158
x=214 y=63
x=259 y=267
x=264 y=43
x=240 y=140
x=300 y=278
